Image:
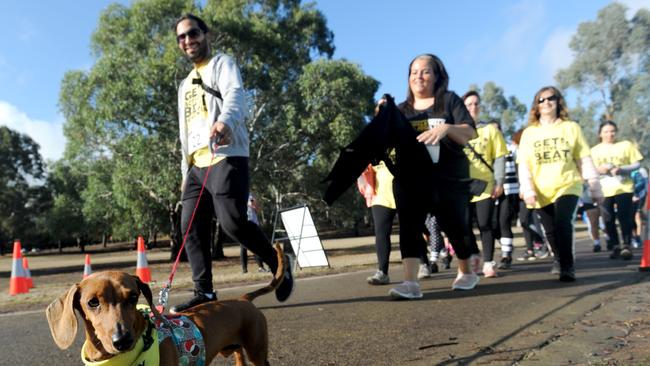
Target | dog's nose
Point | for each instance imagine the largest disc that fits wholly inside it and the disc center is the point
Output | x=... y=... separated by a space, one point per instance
x=122 y=339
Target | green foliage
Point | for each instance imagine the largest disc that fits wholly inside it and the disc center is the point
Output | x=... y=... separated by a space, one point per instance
x=22 y=195
x=612 y=69
x=121 y=114
x=509 y=111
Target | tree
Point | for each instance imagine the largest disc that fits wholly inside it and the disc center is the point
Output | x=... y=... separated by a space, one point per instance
x=611 y=68
x=510 y=112
x=121 y=118
x=22 y=197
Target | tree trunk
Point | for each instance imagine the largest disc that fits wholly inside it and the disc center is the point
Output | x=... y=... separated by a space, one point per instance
x=81 y=244
x=104 y=241
x=60 y=247
x=175 y=234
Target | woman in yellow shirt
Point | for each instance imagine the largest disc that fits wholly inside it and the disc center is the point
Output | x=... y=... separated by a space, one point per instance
x=554 y=158
x=615 y=161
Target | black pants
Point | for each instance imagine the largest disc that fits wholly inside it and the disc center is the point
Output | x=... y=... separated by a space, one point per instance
x=448 y=206
x=383 y=219
x=557 y=219
x=482 y=211
x=508 y=207
x=625 y=214
x=226 y=196
x=243 y=257
x=529 y=220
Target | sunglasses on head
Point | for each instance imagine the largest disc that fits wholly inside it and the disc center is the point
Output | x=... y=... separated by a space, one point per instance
x=190 y=34
x=552 y=98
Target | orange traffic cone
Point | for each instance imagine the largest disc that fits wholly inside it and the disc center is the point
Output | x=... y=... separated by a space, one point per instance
x=142 y=268
x=18 y=282
x=28 y=274
x=87 y=269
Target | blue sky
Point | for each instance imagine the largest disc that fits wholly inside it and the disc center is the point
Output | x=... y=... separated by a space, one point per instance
x=518 y=44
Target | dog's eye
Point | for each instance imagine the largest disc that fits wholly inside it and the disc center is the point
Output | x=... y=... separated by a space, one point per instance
x=93 y=303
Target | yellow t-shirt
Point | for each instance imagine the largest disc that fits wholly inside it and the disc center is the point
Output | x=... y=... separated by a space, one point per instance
x=491 y=145
x=618 y=154
x=551 y=153
x=383 y=186
x=196 y=119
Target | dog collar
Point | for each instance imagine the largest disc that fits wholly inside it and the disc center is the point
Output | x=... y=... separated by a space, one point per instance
x=141 y=355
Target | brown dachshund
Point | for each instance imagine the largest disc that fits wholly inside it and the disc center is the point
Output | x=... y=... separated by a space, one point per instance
x=107 y=302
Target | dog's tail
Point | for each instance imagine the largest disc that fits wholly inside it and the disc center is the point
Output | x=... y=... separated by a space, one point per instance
x=277 y=279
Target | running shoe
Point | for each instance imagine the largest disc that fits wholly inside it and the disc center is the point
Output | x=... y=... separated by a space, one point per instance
x=489 y=269
x=465 y=281
x=626 y=253
x=506 y=262
x=406 y=290
x=379 y=278
x=424 y=271
x=527 y=256
x=555 y=269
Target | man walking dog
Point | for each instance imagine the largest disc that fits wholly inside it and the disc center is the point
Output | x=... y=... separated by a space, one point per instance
x=214 y=142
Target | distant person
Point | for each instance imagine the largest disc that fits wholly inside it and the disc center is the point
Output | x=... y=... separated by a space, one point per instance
x=251 y=212
x=588 y=207
x=554 y=158
x=444 y=126
x=486 y=154
x=214 y=139
x=376 y=184
x=615 y=162
x=640 y=178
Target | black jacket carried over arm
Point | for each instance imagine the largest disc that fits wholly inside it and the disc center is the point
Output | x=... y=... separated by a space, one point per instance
x=389 y=129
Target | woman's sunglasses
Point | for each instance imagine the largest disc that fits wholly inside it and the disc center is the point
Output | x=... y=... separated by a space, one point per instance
x=552 y=98
x=190 y=34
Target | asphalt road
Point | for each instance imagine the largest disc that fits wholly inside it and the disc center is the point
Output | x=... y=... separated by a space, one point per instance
x=340 y=320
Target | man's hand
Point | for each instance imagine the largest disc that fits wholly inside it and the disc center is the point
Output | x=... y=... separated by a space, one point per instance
x=220 y=129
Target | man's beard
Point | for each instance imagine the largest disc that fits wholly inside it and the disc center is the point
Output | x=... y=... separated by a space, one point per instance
x=202 y=53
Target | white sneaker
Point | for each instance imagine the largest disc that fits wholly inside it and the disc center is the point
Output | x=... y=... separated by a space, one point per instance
x=465 y=281
x=406 y=290
x=490 y=269
x=475 y=263
x=379 y=278
x=424 y=272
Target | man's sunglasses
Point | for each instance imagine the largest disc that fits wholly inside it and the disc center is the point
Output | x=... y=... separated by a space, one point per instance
x=190 y=34
x=552 y=98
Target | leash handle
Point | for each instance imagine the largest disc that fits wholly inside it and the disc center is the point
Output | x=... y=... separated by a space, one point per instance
x=163 y=297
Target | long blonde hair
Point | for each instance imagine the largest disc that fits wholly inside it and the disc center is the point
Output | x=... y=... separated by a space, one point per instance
x=562 y=110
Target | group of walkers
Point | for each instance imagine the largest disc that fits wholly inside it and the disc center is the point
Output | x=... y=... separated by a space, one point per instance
x=474 y=177
x=541 y=178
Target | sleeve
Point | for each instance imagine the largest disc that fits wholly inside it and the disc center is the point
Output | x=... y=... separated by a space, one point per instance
x=230 y=85
x=458 y=111
x=182 y=133
x=580 y=148
x=635 y=154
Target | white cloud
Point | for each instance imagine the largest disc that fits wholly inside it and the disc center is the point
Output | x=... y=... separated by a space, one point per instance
x=556 y=53
x=635 y=5
x=49 y=135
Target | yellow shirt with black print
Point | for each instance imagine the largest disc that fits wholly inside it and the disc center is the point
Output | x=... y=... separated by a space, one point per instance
x=551 y=153
x=618 y=154
x=196 y=119
x=491 y=145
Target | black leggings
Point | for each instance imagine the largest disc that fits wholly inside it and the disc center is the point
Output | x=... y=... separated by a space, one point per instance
x=508 y=207
x=383 y=218
x=529 y=220
x=226 y=196
x=449 y=208
x=557 y=219
x=482 y=211
x=624 y=213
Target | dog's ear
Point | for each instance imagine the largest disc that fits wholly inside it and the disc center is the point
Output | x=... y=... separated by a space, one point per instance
x=61 y=318
x=145 y=290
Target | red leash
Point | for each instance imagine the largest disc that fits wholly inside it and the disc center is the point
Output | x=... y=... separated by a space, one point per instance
x=163 y=296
